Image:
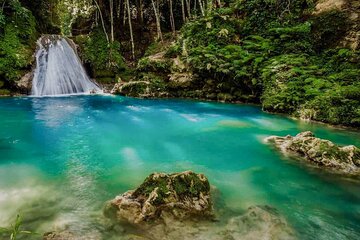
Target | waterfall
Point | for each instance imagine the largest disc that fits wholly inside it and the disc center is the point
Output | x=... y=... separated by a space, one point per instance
x=59 y=69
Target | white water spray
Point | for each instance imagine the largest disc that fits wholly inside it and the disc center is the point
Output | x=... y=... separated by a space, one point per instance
x=59 y=70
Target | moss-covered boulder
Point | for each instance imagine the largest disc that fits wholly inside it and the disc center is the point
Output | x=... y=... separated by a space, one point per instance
x=322 y=152
x=179 y=196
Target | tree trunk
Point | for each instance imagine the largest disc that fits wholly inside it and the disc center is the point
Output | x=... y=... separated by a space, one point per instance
x=112 y=19
x=172 y=21
x=124 y=19
x=201 y=8
x=142 y=11
x=195 y=8
x=183 y=10
x=102 y=21
x=157 y=17
x=139 y=10
x=188 y=8
x=131 y=30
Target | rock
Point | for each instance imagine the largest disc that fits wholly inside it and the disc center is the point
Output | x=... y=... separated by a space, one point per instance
x=25 y=83
x=328 y=5
x=224 y=97
x=162 y=196
x=133 y=88
x=259 y=222
x=180 y=80
x=322 y=152
x=349 y=7
x=68 y=235
x=59 y=236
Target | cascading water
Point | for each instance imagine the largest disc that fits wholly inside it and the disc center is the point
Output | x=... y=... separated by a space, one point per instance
x=59 y=69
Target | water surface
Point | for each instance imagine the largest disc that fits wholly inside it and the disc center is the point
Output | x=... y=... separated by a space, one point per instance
x=61 y=158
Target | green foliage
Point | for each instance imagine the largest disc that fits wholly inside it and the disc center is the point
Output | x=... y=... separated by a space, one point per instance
x=16 y=40
x=102 y=55
x=261 y=15
x=173 y=51
x=14 y=230
x=324 y=88
x=217 y=28
x=269 y=49
x=148 y=65
x=15 y=56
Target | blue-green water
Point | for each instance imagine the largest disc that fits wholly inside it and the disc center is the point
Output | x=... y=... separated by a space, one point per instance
x=62 y=157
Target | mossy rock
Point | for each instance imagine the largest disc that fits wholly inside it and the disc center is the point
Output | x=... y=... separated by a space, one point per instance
x=180 y=195
x=323 y=153
x=103 y=73
x=106 y=80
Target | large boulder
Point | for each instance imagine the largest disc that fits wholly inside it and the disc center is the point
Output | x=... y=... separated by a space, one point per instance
x=179 y=196
x=322 y=152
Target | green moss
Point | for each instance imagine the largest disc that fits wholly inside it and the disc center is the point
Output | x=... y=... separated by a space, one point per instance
x=150 y=184
x=103 y=73
x=183 y=185
x=4 y=92
x=135 y=89
x=105 y=80
x=190 y=185
x=333 y=151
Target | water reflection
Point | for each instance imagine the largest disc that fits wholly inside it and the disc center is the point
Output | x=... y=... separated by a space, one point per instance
x=54 y=112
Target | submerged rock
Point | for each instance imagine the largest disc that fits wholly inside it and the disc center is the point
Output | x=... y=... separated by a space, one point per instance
x=322 y=152
x=59 y=236
x=68 y=235
x=259 y=222
x=162 y=196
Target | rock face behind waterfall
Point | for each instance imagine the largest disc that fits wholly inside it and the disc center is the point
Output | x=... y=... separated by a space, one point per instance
x=59 y=69
x=181 y=195
x=324 y=153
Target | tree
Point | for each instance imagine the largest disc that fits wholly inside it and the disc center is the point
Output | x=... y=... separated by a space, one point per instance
x=157 y=18
x=102 y=20
x=131 y=30
x=172 y=21
x=112 y=19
